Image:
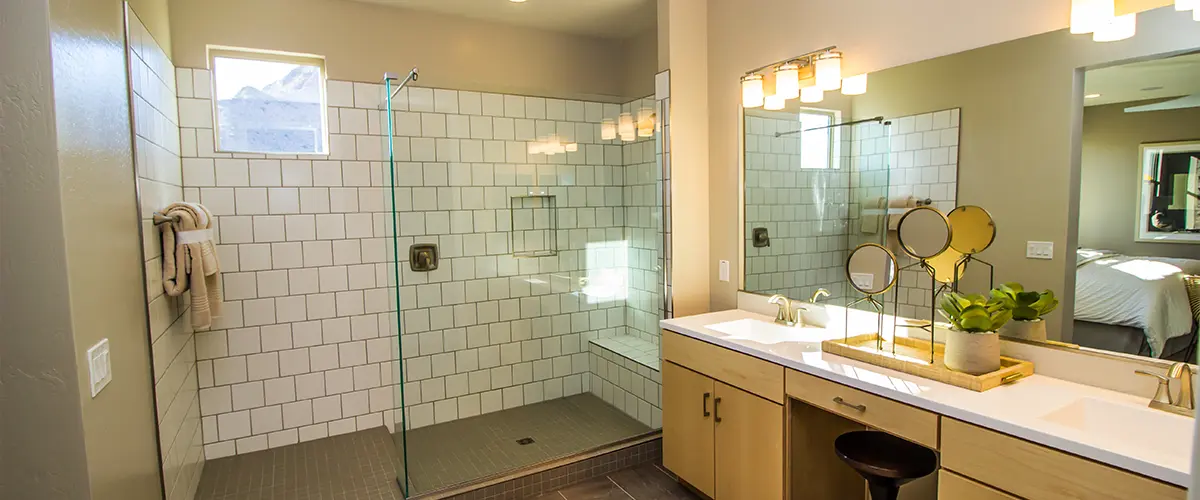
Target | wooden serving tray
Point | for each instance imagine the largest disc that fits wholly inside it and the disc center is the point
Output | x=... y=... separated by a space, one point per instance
x=912 y=357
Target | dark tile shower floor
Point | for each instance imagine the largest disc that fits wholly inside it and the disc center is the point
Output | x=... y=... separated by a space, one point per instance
x=363 y=465
x=463 y=450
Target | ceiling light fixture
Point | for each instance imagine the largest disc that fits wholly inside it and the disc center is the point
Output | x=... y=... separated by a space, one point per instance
x=752 y=91
x=855 y=85
x=1116 y=29
x=1091 y=96
x=517 y=1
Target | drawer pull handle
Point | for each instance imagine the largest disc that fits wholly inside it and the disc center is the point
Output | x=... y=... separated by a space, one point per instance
x=839 y=400
x=716 y=410
x=705 y=407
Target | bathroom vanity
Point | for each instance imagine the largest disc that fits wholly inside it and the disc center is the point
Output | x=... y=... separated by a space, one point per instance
x=751 y=409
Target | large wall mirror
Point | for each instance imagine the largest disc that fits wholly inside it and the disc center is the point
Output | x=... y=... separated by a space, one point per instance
x=1084 y=156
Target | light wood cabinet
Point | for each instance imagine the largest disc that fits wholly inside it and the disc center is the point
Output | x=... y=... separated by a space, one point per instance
x=1037 y=472
x=724 y=441
x=908 y=422
x=952 y=486
x=749 y=451
x=748 y=373
x=687 y=399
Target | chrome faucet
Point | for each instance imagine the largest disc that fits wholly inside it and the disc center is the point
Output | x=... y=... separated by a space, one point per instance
x=786 y=315
x=1185 y=403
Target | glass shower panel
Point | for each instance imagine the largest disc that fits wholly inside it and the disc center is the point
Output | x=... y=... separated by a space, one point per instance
x=872 y=211
x=386 y=176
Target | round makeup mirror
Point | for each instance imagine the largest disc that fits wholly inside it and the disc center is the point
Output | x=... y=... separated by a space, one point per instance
x=943 y=265
x=974 y=229
x=871 y=269
x=924 y=232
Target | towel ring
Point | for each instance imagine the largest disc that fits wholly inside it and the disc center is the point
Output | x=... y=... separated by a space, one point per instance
x=160 y=219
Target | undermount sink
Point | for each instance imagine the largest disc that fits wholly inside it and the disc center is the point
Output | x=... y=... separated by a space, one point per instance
x=762 y=332
x=1153 y=430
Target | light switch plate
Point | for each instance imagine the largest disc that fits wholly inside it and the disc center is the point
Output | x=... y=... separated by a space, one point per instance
x=863 y=280
x=724 y=270
x=99 y=366
x=1039 y=250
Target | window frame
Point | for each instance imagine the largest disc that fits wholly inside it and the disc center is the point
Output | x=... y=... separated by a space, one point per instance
x=263 y=55
x=834 y=135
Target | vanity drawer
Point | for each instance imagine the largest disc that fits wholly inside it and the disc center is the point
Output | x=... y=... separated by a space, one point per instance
x=913 y=424
x=1035 y=471
x=750 y=374
x=952 y=486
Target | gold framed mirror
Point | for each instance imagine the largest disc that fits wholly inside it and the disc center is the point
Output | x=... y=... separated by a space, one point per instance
x=871 y=269
x=974 y=229
x=924 y=232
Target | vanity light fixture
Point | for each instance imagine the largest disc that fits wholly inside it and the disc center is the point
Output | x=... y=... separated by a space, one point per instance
x=812 y=94
x=752 y=91
x=1089 y=15
x=774 y=102
x=1116 y=29
x=608 y=129
x=787 y=81
x=855 y=85
x=824 y=67
x=829 y=70
x=645 y=122
x=625 y=127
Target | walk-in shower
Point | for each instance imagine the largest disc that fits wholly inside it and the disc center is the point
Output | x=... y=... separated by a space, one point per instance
x=525 y=269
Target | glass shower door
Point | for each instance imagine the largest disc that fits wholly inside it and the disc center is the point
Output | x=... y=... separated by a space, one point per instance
x=388 y=179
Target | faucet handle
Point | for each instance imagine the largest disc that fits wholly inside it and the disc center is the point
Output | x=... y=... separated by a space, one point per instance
x=1163 y=393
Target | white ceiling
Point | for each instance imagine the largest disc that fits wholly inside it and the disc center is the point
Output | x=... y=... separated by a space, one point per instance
x=603 y=18
x=1178 y=76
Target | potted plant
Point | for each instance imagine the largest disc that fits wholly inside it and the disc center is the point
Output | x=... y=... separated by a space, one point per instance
x=973 y=345
x=1028 y=309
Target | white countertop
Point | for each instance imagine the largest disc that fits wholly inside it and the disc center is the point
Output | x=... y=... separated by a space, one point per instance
x=1016 y=409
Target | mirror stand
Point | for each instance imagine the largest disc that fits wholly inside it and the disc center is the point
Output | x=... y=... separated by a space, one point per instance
x=935 y=288
x=961 y=267
x=878 y=307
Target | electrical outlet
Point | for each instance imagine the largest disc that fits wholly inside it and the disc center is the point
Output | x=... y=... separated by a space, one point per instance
x=723 y=267
x=1039 y=250
x=99 y=366
x=863 y=280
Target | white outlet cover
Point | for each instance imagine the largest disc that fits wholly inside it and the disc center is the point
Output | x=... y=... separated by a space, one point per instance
x=863 y=280
x=724 y=270
x=99 y=366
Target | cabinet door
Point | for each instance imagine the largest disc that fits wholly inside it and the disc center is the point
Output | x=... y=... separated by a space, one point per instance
x=749 y=451
x=687 y=399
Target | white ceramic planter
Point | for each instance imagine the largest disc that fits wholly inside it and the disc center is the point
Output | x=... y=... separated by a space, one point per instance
x=1027 y=330
x=974 y=353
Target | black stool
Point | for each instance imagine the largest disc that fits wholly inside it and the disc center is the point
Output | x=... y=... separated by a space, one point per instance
x=885 y=461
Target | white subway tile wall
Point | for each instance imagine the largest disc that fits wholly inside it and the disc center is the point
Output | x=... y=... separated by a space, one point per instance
x=804 y=211
x=306 y=246
x=923 y=157
x=160 y=182
x=625 y=373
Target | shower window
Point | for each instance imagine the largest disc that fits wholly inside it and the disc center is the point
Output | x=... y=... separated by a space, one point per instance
x=818 y=148
x=268 y=102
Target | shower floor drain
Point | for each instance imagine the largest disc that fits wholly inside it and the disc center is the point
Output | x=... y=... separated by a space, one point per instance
x=525 y=441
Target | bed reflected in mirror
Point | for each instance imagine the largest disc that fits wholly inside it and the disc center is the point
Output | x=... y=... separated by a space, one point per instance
x=1139 y=209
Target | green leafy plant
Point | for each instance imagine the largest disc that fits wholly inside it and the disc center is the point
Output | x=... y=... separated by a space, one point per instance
x=975 y=313
x=1025 y=305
